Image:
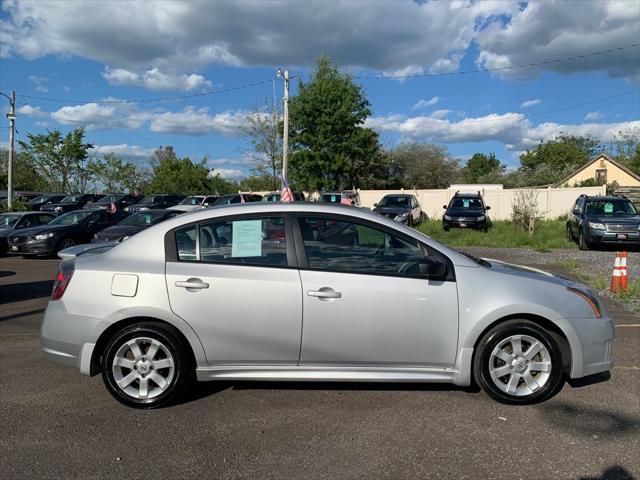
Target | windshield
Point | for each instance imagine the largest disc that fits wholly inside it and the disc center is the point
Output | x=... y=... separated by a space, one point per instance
x=150 y=199
x=331 y=197
x=109 y=199
x=479 y=261
x=144 y=218
x=611 y=207
x=274 y=197
x=191 y=201
x=71 y=218
x=71 y=199
x=394 y=202
x=467 y=203
x=7 y=221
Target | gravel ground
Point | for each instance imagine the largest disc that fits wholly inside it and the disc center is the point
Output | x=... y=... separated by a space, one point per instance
x=594 y=267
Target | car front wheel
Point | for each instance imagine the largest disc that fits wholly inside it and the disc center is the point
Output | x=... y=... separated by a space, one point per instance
x=518 y=362
x=583 y=244
x=146 y=366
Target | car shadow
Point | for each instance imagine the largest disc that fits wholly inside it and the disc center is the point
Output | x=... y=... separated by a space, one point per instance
x=18 y=292
x=587 y=422
x=615 y=472
x=6 y=273
x=204 y=389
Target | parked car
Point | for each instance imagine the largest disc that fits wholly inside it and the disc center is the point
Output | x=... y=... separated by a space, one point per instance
x=133 y=224
x=119 y=200
x=20 y=197
x=596 y=220
x=216 y=295
x=70 y=203
x=401 y=208
x=67 y=230
x=347 y=197
x=237 y=198
x=45 y=199
x=195 y=202
x=163 y=200
x=466 y=210
x=15 y=222
x=275 y=197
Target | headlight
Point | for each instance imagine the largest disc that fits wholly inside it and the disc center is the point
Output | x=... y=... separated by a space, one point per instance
x=447 y=217
x=402 y=217
x=480 y=218
x=44 y=236
x=57 y=209
x=124 y=238
x=596 y=226
x=590 y=299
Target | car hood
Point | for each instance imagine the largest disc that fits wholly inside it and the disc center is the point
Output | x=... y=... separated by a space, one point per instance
x=464 y=212
x=147 y=205
x=529 y=272
x=184 y=208
x=624 y=219
x=391 y=210
x=52 y=206
x=121 y=230
x=30 y=232
x=5 y=232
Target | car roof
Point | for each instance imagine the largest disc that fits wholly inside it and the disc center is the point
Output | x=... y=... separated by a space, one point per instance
x=606 y=198
x=398 y=195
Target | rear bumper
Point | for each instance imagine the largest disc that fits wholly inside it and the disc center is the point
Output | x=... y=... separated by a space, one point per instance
x=69 y=339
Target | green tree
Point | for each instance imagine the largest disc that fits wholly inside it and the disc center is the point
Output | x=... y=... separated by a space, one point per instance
x=257 y=183
x=222 y=186
x=423 y=165
x=330 y=147
x=483 y=168
x=178 y=175
x=25 y=175
x=117 y=175
x=626 y=148
x=263 y=132
x=61 y=160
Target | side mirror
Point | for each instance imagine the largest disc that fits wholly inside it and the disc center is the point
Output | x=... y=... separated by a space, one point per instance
x=487 y=207
x=433 y=268
x=444 y=206
x=576 y=211
x=375 y=204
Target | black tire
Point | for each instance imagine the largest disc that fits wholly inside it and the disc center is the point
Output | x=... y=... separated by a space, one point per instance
x=446 y=228
x=583 y=244
x=65 y=242
x=570 y=234
x=500 y=333
x=183 y=368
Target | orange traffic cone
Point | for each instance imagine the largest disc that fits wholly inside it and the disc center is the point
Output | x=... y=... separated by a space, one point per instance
x=623 y=270
x=616 y=278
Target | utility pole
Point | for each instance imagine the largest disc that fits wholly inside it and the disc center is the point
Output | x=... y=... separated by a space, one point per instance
x=12 y=125
x=285 y=133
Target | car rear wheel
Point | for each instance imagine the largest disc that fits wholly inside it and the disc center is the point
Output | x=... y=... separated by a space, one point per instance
x=146 y=366
x=65 y=242
x=518 y=362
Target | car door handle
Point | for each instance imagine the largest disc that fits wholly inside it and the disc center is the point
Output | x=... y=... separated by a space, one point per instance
x=324 y=294
x=192 y=284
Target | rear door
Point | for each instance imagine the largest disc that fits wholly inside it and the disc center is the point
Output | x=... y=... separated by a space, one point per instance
x=235 y=281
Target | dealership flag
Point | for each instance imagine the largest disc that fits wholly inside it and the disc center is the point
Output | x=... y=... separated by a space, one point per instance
x=286 y=195
x=113 y=207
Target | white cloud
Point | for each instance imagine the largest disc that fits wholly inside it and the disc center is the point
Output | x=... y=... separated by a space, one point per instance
x=198 y=121
x=401 y=74
x=546 y=30
x=97 y=116
x=227 y=173
x=512 y=129
x=154 y=79
x=133 y=153
x=30 y=111
x=530 y=103
x=440 y=113
x=246 y=160
x=591 y=116
x=179 y=37
x=426 y=103
x=38 y=82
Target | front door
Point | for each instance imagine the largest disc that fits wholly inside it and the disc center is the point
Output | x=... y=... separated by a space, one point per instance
x=232 y=283
x=365 y=303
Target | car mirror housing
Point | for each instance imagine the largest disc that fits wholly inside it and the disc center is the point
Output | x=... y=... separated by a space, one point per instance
x=487 y=207
x=433 y=268
x=575 y=212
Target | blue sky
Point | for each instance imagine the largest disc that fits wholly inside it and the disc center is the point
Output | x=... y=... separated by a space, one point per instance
x=65 y=58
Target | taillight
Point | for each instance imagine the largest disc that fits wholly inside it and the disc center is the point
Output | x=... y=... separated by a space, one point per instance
x=67 y=267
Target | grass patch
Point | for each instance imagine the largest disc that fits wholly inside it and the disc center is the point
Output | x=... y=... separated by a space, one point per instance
x=549 y=235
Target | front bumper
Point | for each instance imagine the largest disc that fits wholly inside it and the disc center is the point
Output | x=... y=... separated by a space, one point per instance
x=603 y=237
x=464 y=223
x=593 y=351
x=69 y=339
x=34 y=247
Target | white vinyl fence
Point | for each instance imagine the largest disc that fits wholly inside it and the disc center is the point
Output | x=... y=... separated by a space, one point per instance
x=552 y=202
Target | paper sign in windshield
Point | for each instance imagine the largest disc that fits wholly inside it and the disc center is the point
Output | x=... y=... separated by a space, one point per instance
x=466 y=203
x=608 y=207
x=247 y=238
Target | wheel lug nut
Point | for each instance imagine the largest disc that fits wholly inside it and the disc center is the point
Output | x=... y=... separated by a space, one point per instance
x=135 y=367
x=144 y=359
x=526 y=361
x=151 y=367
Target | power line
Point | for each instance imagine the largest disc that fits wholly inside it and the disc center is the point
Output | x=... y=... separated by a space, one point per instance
x=359 y=77
x=509 y=116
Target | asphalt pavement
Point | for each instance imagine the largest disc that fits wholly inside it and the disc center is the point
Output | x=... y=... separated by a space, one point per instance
x=55 y=423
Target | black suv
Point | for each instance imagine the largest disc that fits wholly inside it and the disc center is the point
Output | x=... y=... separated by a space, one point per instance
x=599 y=220
x=161 y=200
x=401 y=208
x=119 y=200
x=466 y=210
x=69 y=203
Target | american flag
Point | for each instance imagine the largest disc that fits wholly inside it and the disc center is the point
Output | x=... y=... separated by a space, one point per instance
x=286 y=195
x=242 y=198
x=113 y=207
x=344 y=200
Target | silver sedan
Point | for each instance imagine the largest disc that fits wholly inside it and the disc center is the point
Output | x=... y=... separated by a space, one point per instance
x=271 y=291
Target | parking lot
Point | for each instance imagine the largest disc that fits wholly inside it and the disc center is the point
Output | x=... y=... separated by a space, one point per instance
x=58 y=424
